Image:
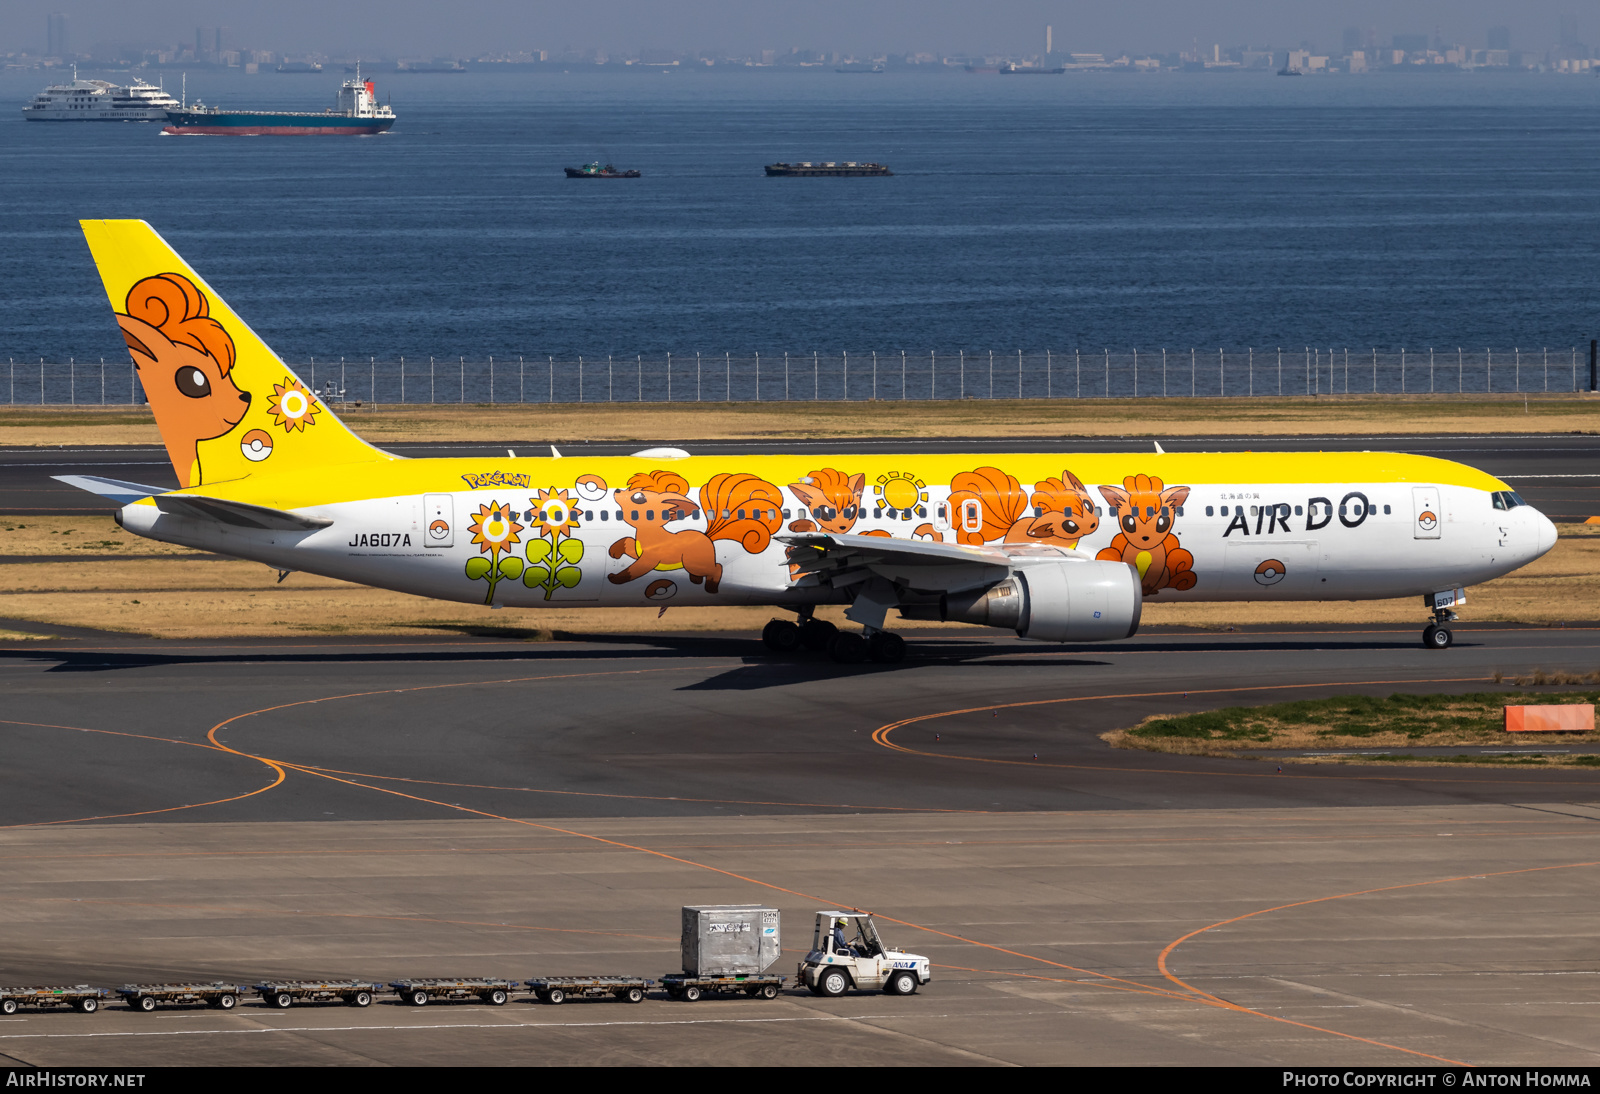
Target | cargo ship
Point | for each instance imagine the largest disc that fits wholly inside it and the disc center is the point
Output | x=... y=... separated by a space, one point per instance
x=357 y=113
x=829 y=169
x=595 y=171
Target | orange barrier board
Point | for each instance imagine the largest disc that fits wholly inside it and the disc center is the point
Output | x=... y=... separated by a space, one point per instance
x=1566 y=718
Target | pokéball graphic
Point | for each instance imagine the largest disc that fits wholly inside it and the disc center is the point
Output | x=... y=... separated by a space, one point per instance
x=256 y=445
x=661 y=590
x=1427 y=521
x=1269 y=572
x=439 y=529
x=591 y=487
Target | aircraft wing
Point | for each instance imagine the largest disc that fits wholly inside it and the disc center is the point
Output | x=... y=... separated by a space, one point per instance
x=922 y=566
x=123 y=493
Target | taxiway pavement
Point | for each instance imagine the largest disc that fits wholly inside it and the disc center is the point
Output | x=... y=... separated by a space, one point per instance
x=388 y=808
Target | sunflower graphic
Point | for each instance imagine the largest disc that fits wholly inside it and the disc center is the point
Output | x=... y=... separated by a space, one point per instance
x=553 y=515
x=494 y=531
x=292 y=406
x=554 y=552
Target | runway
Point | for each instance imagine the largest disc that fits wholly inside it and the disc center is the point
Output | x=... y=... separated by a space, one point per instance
x=388 y=808
x=1549 y=470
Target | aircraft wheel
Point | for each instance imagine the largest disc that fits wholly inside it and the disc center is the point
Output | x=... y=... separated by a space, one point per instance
x=781 y=636
x=1436 y=638
x=816 y=634
x=850 y=648
x=888 y=649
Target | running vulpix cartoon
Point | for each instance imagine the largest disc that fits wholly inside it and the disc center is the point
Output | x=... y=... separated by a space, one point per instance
x=267 y=472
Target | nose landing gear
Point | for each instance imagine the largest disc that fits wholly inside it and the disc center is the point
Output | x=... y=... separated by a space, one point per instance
x=1435 y=636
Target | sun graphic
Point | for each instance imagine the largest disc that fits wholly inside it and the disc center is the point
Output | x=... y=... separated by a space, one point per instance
x=900 y=490
x=292 y=406
x=495 y=529
x=554 y=514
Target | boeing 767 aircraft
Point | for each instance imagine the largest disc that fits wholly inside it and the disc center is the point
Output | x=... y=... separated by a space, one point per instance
x=1057 y=548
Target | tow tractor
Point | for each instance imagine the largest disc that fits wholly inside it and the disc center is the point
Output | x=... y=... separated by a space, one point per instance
x=860 y=961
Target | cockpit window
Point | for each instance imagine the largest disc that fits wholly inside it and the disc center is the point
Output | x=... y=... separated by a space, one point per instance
x=1507 y=499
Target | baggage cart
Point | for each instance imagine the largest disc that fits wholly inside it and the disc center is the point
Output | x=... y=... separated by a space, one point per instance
x=558 y=989
x=286 y=993
x=421 y=992
x=147 y=997
x=80 y=997
x=682 y=986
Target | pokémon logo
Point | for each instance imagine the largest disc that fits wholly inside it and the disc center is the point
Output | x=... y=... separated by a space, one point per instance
x=256 y=445
x=1270 y=572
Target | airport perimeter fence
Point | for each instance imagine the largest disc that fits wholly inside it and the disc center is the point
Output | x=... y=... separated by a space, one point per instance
x=908 y=377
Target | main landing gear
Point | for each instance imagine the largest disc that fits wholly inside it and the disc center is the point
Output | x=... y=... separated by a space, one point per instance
x=1435 y=636
x=845 y=647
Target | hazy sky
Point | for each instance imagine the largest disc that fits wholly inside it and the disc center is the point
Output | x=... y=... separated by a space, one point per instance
x=467 y=27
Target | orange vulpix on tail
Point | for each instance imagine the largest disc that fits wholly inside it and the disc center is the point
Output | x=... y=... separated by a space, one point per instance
x=738 y=507
x=183 y=357
x=1145 y=512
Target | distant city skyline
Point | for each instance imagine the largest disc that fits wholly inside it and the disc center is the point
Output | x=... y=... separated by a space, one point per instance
x=862 y=27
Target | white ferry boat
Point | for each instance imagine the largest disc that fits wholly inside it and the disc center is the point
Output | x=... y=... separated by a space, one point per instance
x=100 y=101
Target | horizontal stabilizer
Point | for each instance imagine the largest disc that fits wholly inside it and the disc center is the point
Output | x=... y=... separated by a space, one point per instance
x=123 y=493
x=236 y=513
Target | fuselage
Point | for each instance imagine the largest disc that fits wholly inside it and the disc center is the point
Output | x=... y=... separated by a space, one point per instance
x=630 y=531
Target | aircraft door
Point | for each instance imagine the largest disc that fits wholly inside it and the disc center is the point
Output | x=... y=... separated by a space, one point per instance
x=1426 y=512
x=1266 y=568
x=438 y=511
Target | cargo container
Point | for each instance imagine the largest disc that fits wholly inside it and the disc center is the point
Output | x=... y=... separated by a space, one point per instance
x=729 y=939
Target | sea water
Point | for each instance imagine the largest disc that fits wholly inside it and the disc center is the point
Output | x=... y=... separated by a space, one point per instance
x=1038 y=213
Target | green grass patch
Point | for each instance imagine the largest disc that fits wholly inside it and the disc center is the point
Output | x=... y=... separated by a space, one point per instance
x=1352 y=718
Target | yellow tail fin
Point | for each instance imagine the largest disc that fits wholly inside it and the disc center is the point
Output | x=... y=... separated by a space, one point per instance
x=226 y=406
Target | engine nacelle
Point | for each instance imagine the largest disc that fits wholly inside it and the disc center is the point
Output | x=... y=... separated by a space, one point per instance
x=1056 y=602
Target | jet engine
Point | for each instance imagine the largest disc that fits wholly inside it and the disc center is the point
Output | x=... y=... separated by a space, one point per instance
x=1056 y=602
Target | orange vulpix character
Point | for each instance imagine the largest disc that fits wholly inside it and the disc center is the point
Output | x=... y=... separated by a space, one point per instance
x=183 y=357
x=737 y=506
x=988 y=505
x=1145 y=512
x=833 y=499
x=1065 y=513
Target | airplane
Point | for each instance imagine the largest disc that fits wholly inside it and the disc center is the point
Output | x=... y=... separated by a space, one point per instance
x=1058 y=548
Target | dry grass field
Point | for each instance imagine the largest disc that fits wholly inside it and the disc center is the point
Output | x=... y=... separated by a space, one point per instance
x=84 y=571
x=566 y=422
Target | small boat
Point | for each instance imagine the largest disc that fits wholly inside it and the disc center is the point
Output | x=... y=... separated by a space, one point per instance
x=595 y=171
